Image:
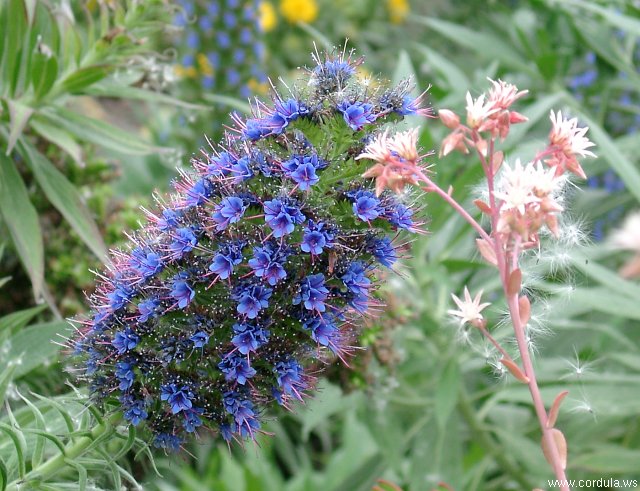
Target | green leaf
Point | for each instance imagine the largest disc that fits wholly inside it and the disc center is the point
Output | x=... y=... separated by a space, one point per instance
x=44 y=71
x=19 y=443
x=6 y=376
x=447 y=392
x=82 y=78
x=59 y=137
x=82 y=473
x=609 y=459
x=120 y=92
x=232 y=102
x=64 y=196
x=316 y=36
x=457 y=81
x=35 y=345
x=17 y=320
x=486 y=45
x=607 y=149
x=100 y=133
x=363 y=477
x=14 y=31
x=3 y=476
x=19 y=115
x=610 y=15
x=21 y=219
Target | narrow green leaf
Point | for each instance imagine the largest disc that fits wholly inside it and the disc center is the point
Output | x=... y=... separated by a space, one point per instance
x=44 y=71
x=457 y=81
x=136 y=93
x=607 y=149
x=131 y=439
x=6 y=376
x=3 y=476
x=485 y=44
x=232 y=102
x=612 y=16
x=82 y=473
x=447 y=391
x=35 y=345
x=17 y=320
x=82 y=78
x=100 y=133
x=64 y=196
x=38 y=447
x=316 y=35
x=52 y=438
x=20 y=445
x=610 y=459
x=19 y=115
x=59 y=137
x=21 y=219
x=15 y=31
x=63 y=412
x=363 y=477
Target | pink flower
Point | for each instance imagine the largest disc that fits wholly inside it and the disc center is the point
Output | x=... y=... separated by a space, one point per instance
x=566 y=143
x=469 y=310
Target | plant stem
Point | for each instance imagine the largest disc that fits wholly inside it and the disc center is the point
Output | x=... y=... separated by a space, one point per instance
x=538 y=404
x=58 y=462
x=483 y=437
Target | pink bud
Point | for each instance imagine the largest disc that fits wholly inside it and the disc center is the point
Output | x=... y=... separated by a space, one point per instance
x=449 y=118
x=516 y=117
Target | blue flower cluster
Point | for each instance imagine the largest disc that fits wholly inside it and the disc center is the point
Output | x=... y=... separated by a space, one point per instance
x=263 y=260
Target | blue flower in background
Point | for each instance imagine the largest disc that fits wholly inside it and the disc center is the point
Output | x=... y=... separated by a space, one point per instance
x=179 y=397
x=357 y=114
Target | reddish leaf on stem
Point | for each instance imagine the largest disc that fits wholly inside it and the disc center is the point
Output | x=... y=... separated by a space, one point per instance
x=515 y=370
x=486 y=251
x=525 y=309
x=515 y=282
x=482 y=206
x=561 y=447
x=555 y=409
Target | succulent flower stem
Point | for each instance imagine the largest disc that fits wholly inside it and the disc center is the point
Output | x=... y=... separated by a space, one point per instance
x=72 y=451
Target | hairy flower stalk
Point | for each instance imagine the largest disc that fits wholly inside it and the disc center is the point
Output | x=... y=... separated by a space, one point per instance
x=263 y=262
x=522 y=200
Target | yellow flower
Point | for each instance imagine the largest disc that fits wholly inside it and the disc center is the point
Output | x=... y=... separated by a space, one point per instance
x=299 y=10
x=204 y=64
x=257 y=87
x=185 y=72
x=267 y=16
x=398 y=10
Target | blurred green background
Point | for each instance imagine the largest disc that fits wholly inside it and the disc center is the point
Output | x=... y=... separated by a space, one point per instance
x=101 y=101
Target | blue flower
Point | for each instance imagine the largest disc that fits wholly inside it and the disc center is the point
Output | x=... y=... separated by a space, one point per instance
x=409 y=106
x=220 y=164
x=316 y=237
x=268 y=262
x=323 y=329
x=192 y=419
x=239 y=407
x=358 y=285
x=198 y=193
x=383 y=250
x=179 y=397
x=148 y=308
x=229 y=255
x=400 y=216
x=168 y=442
x=302 y=169
x=289 y=377
x=356 y=114
x=135 y=410
x=199 y=339
x=170 y=219
x=184 y=241
x=249 y=337
x=236 y=368
x=257 y=128
x=241 y=170
x=125 y=375
x=120 y=296
x=181 y=290
x=230 y=210
x=146 y=263
x=282 y=215
x=125 y=341
x=252 y=299
x=366 y=206
x=312 y=293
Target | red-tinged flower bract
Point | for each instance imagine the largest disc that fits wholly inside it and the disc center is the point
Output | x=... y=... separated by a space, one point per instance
x=261 y=263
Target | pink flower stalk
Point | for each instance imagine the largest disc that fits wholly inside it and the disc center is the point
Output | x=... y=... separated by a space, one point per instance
x=567 y=142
